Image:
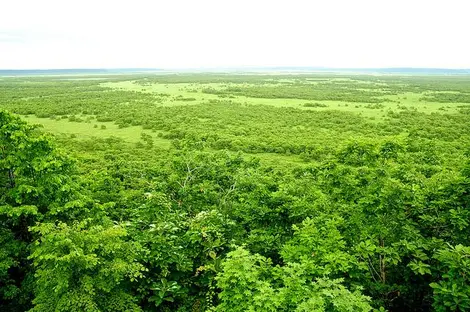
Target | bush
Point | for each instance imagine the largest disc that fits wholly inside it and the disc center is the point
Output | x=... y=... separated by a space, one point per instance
x=316 y=104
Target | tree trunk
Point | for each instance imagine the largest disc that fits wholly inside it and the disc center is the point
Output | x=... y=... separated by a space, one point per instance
x=11 y=176
x=382 y=263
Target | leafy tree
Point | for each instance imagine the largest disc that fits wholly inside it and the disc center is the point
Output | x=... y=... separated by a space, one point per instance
x=452 y=290
x=34 y=182
x=84 y=267
x=250 y=283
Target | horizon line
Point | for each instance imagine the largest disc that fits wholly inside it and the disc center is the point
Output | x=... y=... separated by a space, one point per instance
x=233 y=67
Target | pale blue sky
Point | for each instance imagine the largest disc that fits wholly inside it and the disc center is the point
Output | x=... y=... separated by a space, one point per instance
x=234 y=33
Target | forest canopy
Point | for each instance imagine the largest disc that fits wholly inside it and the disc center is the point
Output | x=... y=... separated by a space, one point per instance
x=216 y=192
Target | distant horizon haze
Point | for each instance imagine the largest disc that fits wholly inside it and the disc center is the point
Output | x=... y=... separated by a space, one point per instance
x=321 y=68
x=236 y=71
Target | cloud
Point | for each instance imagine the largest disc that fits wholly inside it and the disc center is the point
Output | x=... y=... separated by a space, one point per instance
x=179 y=33
x=11 y=37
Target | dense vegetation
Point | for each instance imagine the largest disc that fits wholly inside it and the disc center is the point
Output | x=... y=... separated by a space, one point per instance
x=235 y=193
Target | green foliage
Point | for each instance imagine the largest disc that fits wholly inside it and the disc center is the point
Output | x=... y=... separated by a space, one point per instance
x=319 y=246
x=324 y=91
x=250 y=283
x=452 y=291
x=84 y=267
x=337 y=212
x=34 y=179
x=246 y=283
x=147 y=139
x=160 y=232
x=448 y=97
x=32 y=172
x=316 y=104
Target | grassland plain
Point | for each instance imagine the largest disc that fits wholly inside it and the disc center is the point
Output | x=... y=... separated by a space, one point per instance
x=181 y=92
x=224 y=192
x=280 y=118
x=233 y=111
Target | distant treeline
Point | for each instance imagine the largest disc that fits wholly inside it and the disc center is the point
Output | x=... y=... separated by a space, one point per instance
x=397 y=70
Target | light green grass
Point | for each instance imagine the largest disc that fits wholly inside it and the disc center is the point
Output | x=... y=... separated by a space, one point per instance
x=84 y=130
x=412 y=100
x=186 y=90
x=87 y=130
x=173 y=90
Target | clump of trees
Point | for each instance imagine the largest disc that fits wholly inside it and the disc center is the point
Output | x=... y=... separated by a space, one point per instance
x=315 y=104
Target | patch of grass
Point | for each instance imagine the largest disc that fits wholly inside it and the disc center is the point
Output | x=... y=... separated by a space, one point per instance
x=130 y=134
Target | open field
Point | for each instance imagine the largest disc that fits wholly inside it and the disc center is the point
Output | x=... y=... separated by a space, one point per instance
x=91 y=128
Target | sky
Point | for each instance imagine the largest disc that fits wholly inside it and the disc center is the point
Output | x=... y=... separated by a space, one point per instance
x=50 y=34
